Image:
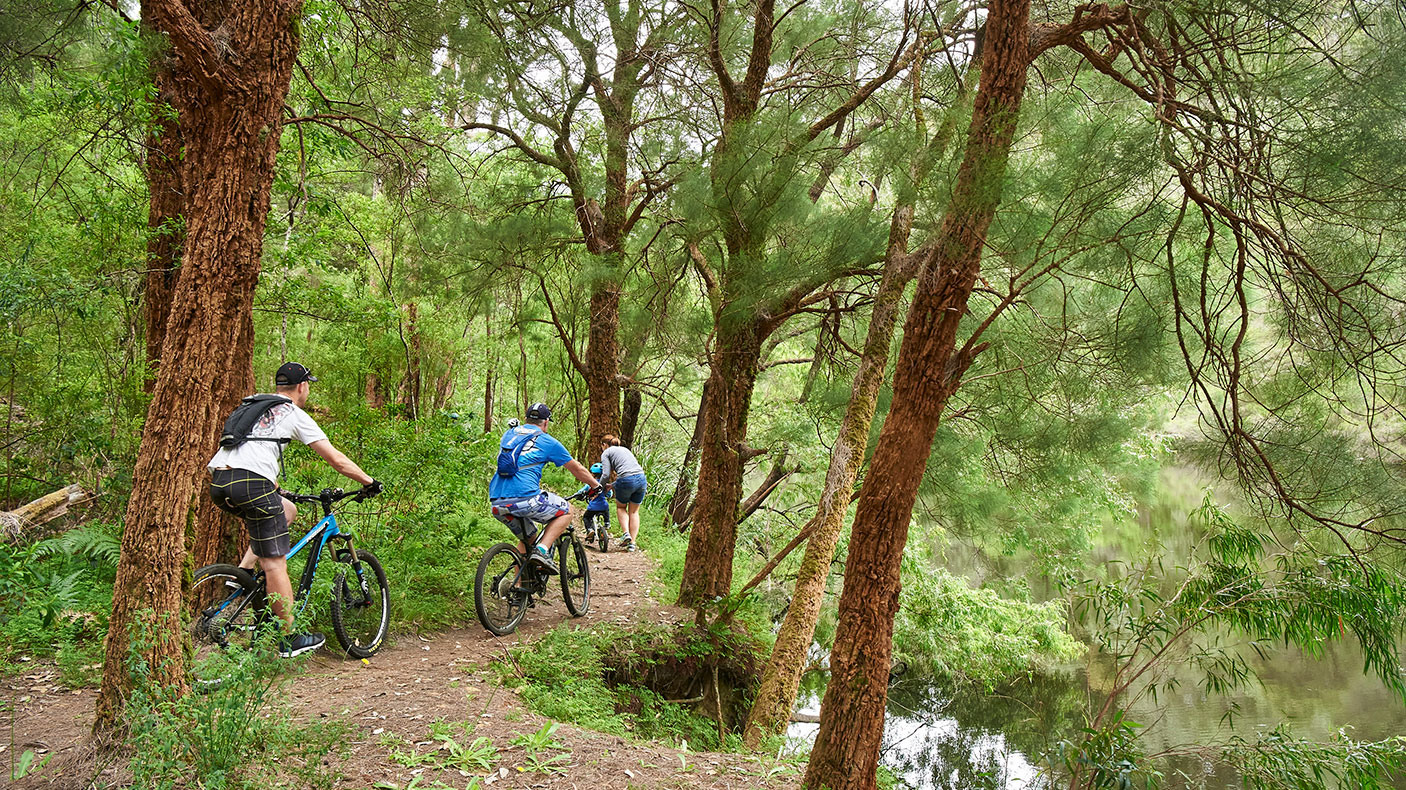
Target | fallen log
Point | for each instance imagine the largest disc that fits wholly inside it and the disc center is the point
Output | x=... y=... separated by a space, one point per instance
x=14 y=523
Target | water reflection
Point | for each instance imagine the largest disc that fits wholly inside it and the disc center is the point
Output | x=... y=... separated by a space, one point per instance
x=963 y=738
x=945 y=738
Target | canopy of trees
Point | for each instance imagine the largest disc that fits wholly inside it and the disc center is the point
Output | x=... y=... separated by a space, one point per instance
x=850 y=278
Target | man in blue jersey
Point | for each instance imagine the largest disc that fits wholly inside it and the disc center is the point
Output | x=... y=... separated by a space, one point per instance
x=515 y=490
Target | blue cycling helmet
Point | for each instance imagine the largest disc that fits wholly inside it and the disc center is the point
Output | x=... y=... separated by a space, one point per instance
x=595 y=469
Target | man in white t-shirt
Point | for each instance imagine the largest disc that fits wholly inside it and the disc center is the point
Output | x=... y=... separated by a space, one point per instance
x=242 y=482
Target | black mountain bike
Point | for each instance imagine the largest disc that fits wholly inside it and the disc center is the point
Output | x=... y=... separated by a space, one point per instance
x=507 y=583
x=229 y=605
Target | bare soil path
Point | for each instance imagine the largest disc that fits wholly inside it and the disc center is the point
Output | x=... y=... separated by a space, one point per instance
x=391 y=703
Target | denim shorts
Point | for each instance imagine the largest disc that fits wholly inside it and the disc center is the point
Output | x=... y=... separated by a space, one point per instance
x=630 y=489
x=539 y=509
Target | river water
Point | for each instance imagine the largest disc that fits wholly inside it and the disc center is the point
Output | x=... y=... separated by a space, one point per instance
x=947 y=737
x=938 y=736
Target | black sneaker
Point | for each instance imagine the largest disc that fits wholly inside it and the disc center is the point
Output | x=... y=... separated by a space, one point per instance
x=298 y=644
x=543 y=561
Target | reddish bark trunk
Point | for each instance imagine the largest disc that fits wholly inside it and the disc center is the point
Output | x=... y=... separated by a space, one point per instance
x=781 y=680
x=603 y=366
x=375 y=391
x=681 y=503
x=229 y=95
x=165 y=220
x=846 y=751
x=707 y=573
x=218 y=536
x=630 y=417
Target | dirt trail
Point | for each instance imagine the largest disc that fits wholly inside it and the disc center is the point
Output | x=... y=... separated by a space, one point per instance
x=407 y=687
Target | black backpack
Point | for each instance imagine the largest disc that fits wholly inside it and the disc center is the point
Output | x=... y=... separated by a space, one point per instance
x=245 y=416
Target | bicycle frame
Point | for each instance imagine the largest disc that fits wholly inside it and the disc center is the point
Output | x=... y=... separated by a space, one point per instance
x=324 y=532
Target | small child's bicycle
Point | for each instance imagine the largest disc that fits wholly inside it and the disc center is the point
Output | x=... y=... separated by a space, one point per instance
x=229 y=605
x=507 y=583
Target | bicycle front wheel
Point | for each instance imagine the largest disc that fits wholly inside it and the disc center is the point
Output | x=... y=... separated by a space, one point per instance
x=575 y=576
x=227 y=610
x=499 y=595
x=361 y=605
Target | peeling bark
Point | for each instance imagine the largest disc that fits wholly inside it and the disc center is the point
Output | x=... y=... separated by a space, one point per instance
x=231 y=112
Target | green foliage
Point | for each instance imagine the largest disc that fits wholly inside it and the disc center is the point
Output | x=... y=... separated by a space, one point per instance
x=946 y=627
x=226 y=736
x=535 y=746
x=55 y=596
x=448 y=752
x=1242 y=591
x=573 y=676
x=1275 y=760
x=1109 y=757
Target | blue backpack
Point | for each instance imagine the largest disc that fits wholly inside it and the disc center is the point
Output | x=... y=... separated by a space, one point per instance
x=511 y=448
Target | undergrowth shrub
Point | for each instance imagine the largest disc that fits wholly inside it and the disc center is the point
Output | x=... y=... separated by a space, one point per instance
x=646 y=682
x=228 y=738
x=55 y=596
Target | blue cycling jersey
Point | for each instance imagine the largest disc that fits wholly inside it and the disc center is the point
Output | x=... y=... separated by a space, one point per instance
x=528 y=480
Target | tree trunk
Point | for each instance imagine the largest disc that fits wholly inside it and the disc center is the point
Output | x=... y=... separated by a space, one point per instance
x=846 y=750
x=165 y=219
x=630 y=417
x=782 y=677
x=707 y=573
x=218 y=536
x=603 y=366
x=232 y=115
x=779 y=472
x=776 y=695
x=681 y=503
x=488 y=375
x=411 y=384
x=375 y=391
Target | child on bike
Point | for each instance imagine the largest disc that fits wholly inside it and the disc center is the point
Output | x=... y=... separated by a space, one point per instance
x=597 y=511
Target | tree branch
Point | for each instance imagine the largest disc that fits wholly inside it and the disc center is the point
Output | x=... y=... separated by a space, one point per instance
x=194 y=44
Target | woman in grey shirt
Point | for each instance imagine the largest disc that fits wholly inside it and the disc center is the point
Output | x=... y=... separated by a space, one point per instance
x=630 y=486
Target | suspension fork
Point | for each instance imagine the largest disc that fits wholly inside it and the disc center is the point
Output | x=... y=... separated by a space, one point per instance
x=347 y=554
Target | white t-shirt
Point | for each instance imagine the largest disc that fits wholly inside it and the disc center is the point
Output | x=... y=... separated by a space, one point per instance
x=284 y=421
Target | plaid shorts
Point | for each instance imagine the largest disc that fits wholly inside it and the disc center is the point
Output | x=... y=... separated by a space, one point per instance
x=255 y=499
x=540 y=509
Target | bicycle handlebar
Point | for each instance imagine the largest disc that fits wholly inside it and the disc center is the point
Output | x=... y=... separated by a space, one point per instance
x=583 y=495
x=327 y=496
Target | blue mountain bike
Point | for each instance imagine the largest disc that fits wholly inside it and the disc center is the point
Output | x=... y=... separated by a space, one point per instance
x=229 y=605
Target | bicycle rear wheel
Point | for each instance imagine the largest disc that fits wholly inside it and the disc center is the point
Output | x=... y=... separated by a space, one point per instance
x=500 y=597
x=361 y=605
x=575 y=576
x=227 y=611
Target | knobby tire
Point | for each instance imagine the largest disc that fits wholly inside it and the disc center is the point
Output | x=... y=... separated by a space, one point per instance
x=499 y=597
x=575 y=575
x=228 y=609
x=359 y=620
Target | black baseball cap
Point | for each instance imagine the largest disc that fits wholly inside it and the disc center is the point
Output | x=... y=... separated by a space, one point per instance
x=539 y=411
x=292 y=373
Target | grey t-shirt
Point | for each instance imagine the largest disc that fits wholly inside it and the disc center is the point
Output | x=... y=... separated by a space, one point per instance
x=620 y=461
